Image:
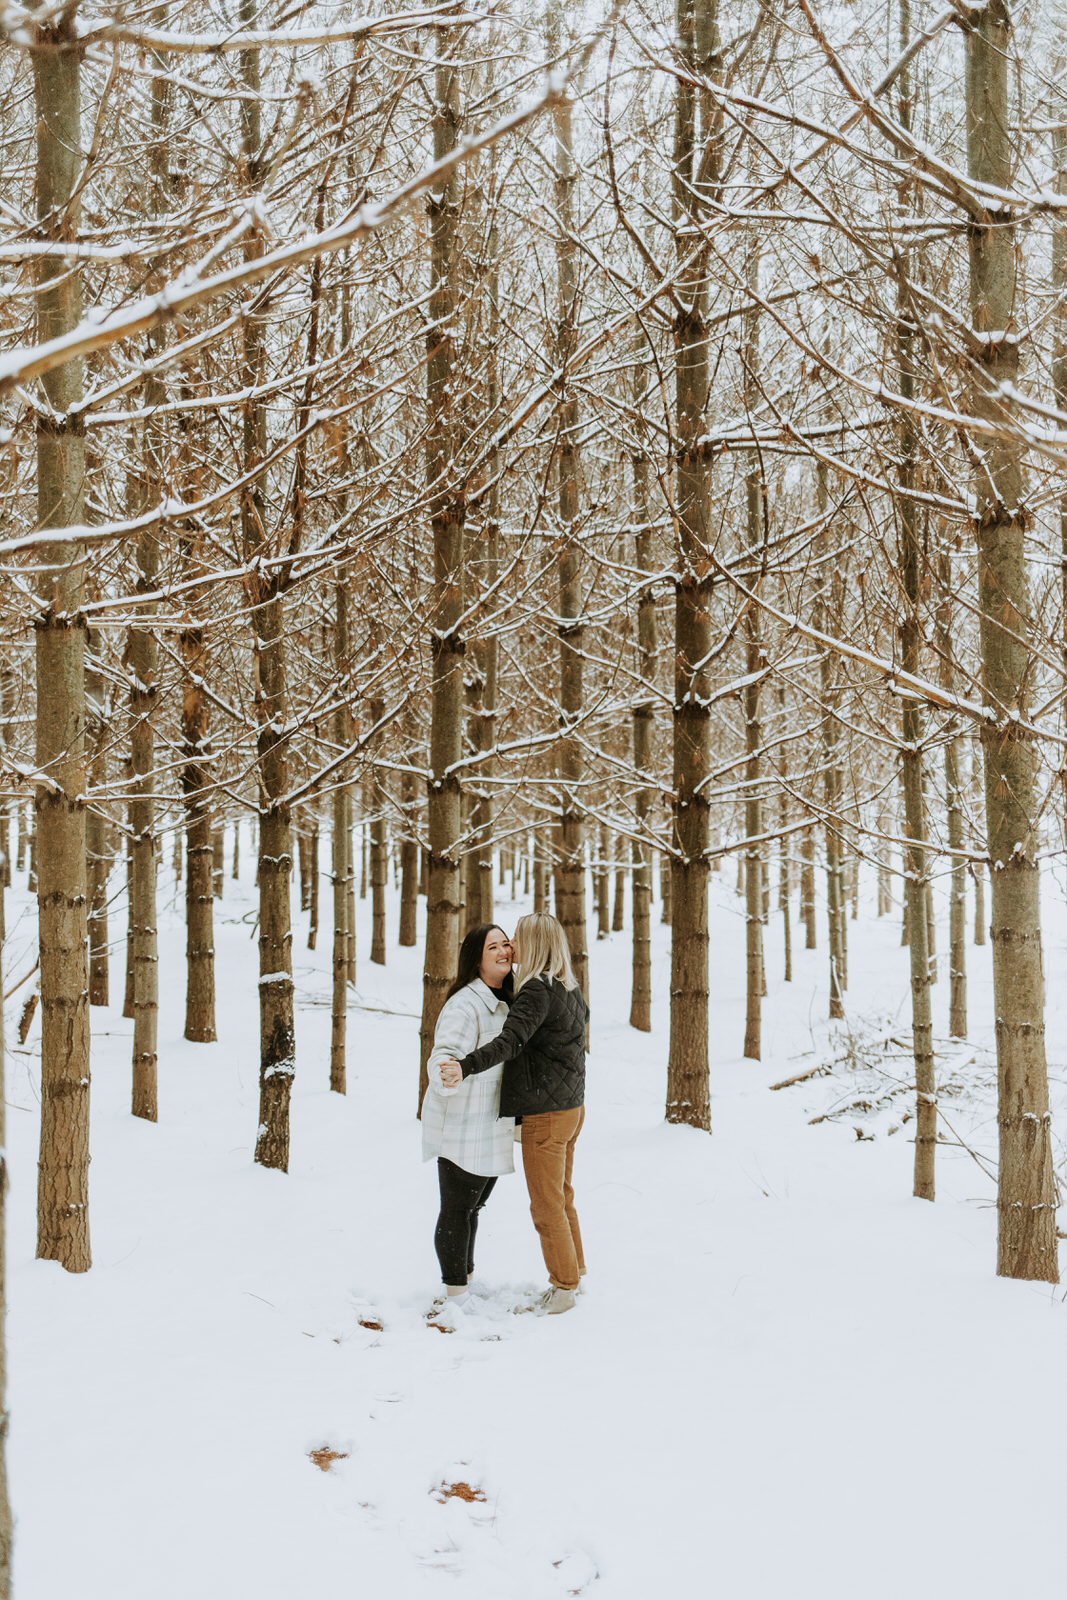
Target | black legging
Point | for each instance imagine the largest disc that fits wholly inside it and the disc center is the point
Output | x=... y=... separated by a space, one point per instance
x=463 y=1194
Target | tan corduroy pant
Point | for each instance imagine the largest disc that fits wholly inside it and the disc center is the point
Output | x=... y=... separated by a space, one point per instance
x=548 y=1141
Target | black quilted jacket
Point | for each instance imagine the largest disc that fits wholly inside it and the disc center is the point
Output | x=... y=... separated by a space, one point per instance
x=543 y=1047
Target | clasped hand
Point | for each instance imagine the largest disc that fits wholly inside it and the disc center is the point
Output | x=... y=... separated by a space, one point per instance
x=451 y=1074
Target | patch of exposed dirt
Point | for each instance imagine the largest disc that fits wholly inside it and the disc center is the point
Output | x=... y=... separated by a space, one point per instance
x=458 y=1491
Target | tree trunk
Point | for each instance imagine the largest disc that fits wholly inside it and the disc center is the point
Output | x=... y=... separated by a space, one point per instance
x=540 y=874
x=303 y=858
x=409 y=891
x=1026 y=1212
x=350 y=873
x=911 y=562
x=783 y=859
x=379 y=864
x=218 y=861
x=644 y=724
x=483 y=695
x=603 y=884
x=755 y=512
x=142 y=653
x=339 y=882
x=688 y=1091
x=277 y=1040
x=807 y=889
x=199 y=855
x=276 y=1020
x=957 y=939
x=570 y=881
x=447 y=517
x=98 y=853
x=63 y=1170
x=127 y=1002
x=313 y=899
x=340 y=855
x=142 y=656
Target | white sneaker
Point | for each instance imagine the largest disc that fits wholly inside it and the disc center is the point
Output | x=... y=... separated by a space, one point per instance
x=555 y=1300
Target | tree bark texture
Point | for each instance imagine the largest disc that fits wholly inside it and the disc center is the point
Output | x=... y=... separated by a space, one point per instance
x=313 y=887
x=688 y=1090
x=276 y=1020
x=754 y=522
x=1026 y=1244
x=570 y=880
x=199 y=892
x=827 y=613
x=379 y=861
x=142 y=653
x=618 y=910
x=340 y=854
x=97 y=847
x=410 y=863
x=447 y=518
x=62 y=901
x=957 y=942
x=603 y=883
x=807 y=888
x=277 y=1037
x=911 y=563
x=644 y=724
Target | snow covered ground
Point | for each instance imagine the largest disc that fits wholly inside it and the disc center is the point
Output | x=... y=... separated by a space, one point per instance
x=790 y=1380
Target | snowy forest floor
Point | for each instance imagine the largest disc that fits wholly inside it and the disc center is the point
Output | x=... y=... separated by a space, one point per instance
x=789 y=1381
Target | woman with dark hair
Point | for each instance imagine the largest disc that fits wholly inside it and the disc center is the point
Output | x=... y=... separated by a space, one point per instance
x=461 y=1124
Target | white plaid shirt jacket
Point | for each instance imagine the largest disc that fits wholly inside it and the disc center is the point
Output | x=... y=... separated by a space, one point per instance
x=463 y=1124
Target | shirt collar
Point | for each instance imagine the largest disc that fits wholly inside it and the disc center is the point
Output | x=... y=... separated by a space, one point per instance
x=485 y=994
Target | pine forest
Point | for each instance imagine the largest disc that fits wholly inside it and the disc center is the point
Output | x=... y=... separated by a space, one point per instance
x=472 y=461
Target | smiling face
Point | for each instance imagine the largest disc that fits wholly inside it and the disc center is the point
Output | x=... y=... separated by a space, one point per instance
x=496 y=958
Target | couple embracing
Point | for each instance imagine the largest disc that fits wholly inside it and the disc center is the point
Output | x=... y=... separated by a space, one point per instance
x=509 y=1048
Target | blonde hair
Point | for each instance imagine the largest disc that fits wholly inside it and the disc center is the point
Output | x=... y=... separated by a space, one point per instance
x=540 y=945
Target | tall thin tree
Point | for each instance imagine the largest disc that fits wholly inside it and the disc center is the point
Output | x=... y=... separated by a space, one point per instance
x=696 y=170
x=1026 y=1203
x=63 y=1170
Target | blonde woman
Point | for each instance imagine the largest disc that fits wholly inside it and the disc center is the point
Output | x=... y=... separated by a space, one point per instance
x=542 y=1046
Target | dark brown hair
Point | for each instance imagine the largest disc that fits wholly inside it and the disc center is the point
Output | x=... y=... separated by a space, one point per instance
x=470 y=957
